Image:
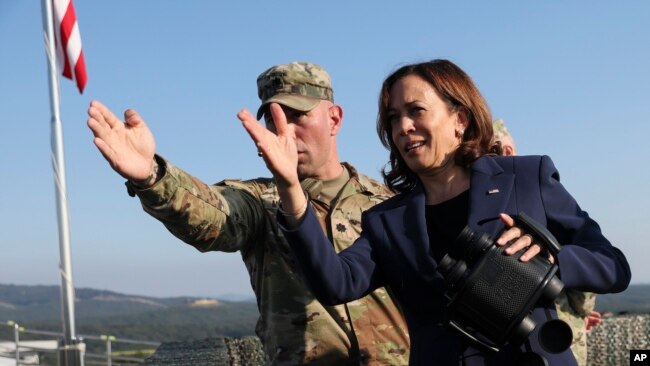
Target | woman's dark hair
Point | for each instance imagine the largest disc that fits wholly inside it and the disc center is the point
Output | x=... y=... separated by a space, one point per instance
x=456 y=88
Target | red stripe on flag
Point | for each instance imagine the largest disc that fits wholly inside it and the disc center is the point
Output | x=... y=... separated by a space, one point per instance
x=67 y=23
x=80 y=72
x=70 y=43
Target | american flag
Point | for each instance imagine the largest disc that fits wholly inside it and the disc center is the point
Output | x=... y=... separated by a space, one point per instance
x=69 y=42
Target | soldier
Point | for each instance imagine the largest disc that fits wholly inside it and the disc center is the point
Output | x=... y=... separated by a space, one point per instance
x=576 y=308
x=502 y=135
x=236 y=215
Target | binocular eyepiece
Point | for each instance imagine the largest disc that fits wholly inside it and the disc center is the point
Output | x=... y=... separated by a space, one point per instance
x=469 y=246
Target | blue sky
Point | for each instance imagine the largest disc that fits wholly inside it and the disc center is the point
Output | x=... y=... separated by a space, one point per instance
x=571 y=80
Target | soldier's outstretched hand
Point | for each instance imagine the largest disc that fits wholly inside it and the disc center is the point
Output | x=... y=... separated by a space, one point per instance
x=127 y=145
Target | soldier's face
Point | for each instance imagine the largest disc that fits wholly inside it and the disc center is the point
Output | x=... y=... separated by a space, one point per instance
x=315 y=141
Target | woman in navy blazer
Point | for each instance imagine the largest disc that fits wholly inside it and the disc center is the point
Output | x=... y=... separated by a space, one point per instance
x=438 y=130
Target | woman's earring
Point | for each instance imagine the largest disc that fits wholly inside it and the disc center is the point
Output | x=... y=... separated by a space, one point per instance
x=460 y=133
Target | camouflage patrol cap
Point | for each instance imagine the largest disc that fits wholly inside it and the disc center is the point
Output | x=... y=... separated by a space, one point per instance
x=500 y=129
x=297 y=85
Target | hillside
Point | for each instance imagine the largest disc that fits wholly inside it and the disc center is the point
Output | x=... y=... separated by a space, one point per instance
x=636 y=299
x=180 y=318
x=129 y=316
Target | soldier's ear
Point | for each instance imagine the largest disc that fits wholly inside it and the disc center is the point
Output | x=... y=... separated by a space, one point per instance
x=335 y=114
x=508 y=150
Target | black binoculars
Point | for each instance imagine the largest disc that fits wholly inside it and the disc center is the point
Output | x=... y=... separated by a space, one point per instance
x=491 y=295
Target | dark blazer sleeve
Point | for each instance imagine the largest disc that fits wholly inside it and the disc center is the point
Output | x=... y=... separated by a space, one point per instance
x=333 y=278
x=587 y=261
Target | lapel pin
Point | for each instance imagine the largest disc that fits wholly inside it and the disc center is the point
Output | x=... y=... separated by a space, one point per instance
x=493 y=191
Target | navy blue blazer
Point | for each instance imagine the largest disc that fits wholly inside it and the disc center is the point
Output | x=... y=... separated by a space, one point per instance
x=394 y=251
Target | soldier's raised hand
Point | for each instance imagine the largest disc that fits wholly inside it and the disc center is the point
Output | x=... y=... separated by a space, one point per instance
x=127 y=145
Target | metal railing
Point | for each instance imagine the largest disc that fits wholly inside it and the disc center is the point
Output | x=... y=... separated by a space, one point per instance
x=110 y=357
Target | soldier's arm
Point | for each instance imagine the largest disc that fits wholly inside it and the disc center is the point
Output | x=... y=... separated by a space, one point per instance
x=582 y=303
x=207 y=217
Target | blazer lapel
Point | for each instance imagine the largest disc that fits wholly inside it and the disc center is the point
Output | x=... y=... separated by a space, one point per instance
x=490 y=191
x=405 y=224
x=406 y=229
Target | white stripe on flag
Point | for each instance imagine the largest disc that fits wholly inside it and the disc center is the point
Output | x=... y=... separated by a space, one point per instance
x=60 y=6
x=74 y=45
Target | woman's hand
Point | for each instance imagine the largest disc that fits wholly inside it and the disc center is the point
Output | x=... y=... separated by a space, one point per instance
x=523 y=240
x=277 y=149
x=281 y=158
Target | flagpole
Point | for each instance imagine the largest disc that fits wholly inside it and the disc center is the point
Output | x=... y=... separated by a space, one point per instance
x=58 y=166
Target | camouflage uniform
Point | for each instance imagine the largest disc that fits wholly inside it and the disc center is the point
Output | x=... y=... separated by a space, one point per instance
x=573 y=307
x=500 y=130
x=299 y=85
x=294 y=327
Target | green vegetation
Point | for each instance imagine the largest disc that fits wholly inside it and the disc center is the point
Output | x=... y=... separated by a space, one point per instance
x=124 y=316
x=174 y=319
